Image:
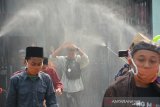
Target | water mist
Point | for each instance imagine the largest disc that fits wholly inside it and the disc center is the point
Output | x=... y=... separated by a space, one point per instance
x=92 y=25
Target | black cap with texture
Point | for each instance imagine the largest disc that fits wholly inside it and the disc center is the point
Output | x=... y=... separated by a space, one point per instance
x=145 y=46
x=34 y=52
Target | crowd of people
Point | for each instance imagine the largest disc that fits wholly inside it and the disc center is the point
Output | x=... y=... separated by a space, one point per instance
x=38 y=84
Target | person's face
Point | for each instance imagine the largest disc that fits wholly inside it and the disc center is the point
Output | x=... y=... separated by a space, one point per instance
x=34 y=65
x=146 y=59
x=71 y=52
x=147 y=63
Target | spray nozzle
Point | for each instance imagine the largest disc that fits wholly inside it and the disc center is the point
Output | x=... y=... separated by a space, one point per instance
x=123 y=53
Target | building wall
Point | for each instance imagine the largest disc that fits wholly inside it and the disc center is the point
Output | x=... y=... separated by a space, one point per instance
x=155 y=17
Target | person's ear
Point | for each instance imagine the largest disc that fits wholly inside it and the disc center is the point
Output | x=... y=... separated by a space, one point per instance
x=26 y=63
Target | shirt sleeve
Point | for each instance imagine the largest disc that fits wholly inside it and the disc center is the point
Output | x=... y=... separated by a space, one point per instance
x=11 y=100
x=51 y=100
x=84 y=60
x=55 y=78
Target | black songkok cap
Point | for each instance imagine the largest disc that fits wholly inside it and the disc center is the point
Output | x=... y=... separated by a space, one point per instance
x=34 y=52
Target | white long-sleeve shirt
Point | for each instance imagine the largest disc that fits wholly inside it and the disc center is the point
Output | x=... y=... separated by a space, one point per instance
x=70 y=85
